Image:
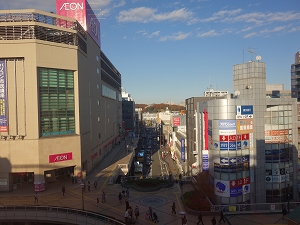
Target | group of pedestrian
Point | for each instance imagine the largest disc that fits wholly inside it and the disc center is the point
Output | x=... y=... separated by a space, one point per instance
x=150 y=215
x=129 y=218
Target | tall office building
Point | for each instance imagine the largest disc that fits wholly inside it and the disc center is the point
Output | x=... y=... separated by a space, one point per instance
x=60 y=100
x=249 y=143
x=295 y=77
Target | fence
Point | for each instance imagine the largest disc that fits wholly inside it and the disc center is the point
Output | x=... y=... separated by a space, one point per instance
x=54 y=214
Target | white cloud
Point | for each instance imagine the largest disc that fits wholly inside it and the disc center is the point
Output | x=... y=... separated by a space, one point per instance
x=294 y=29
x=144 y=15
x=175 y=37
x=211 y=33
x=154 y=34
x=250 y=35
x=221 y=14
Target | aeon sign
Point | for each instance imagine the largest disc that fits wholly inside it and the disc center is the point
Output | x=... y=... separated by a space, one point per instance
x=72 y=6
x=60 y=157
x=83 y=13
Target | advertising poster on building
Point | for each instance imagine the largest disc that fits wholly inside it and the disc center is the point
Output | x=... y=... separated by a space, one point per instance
x=244 y=126
x=278 y=136
x=182 y=143
x=176 y=121
x=83 y=13
x=222 y=188
x=227 y=127
x=3 y=98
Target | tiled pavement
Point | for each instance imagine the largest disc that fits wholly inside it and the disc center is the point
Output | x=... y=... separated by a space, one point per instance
x=160 y=201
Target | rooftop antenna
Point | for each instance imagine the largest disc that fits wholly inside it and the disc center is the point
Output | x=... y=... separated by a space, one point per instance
x=250 y=50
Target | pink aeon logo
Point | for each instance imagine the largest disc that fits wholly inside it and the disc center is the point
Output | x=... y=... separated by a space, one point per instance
x=60 y=157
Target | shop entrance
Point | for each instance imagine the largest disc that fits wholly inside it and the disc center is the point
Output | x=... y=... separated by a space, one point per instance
x=22 y=179
x=58 y=174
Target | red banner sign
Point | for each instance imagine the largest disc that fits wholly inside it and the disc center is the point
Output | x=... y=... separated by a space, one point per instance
x=60 y=157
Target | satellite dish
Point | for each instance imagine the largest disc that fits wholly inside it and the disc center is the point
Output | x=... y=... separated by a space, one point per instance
x=236 y=93
x=258 y=58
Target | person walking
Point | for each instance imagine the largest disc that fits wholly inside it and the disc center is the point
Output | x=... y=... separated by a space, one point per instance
x=173 y=208
x=36 y=198
x=89 y=186
x=97 y=199
x=200 y=219
x=63 y=189
x=127 y=204
x=184 y=220
x=95 y=184
x=213 y=221
x=126 y=217
x=103 y=197
x=136 y=212
x=284 y=211
x=150 y=213
x=155 y=218
x=222 y=217
x=120 y=197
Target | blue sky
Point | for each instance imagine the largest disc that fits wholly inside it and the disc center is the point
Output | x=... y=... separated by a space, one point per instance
x=168 y=51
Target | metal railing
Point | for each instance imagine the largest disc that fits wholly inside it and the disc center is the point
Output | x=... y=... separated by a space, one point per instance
x=55 y=214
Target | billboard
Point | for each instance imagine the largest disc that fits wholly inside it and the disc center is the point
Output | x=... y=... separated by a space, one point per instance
x=227 y=127
x=83 y=13
x=3 y=98
x=244 y=126
x=182 y=149
x=176 y=121
x=278 y=136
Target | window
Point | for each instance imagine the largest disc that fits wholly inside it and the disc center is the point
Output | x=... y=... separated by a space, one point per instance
x=56 y=96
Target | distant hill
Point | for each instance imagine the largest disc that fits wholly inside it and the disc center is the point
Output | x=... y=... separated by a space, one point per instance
x=155 y=108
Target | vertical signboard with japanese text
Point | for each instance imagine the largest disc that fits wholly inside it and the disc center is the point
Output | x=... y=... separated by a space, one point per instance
x=182 y=143
x=3 y=98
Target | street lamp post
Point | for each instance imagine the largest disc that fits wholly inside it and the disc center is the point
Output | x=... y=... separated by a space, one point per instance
x=288 y=195
x=82 y=198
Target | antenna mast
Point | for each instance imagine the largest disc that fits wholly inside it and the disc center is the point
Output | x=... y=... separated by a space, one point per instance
x=250 y=50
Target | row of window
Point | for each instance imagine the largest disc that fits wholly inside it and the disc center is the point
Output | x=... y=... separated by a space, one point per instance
x=56 y=96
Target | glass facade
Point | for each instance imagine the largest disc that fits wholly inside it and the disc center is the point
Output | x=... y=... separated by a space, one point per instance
x=56 y=98
x=278 y=152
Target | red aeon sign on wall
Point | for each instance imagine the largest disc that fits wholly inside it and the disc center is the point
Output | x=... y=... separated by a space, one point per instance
x=60 y=157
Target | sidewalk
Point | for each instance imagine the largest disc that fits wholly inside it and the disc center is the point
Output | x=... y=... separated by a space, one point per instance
x=160 y=201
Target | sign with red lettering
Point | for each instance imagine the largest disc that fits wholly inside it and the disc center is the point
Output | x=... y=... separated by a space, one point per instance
x=223 y=137
x=232 y=137
x=60 y=157
x=239 y=182
x=245 y=136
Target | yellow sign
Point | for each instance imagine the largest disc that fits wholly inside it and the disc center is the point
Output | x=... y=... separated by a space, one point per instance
x=232 y=208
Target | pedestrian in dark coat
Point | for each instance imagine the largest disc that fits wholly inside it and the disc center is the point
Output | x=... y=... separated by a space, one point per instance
x=200 y=219
x=150 y=213
x=173 y=208
x=120 y=197
x=127 y=204
x=63 y=189
x=214 y=221
x=284 y=211
x=89 y=186
x=222 y=217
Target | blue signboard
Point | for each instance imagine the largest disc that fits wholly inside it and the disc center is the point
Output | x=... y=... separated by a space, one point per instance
x=246 y=109
x=238 y=145
x=232 y=145
x=182 y=150
x=223 y=145
x=224 y=160
x=235 y=192
x=245 y=158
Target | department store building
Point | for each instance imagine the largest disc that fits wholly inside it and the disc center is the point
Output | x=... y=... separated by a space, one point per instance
x=248 y=143
x=60 y=99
